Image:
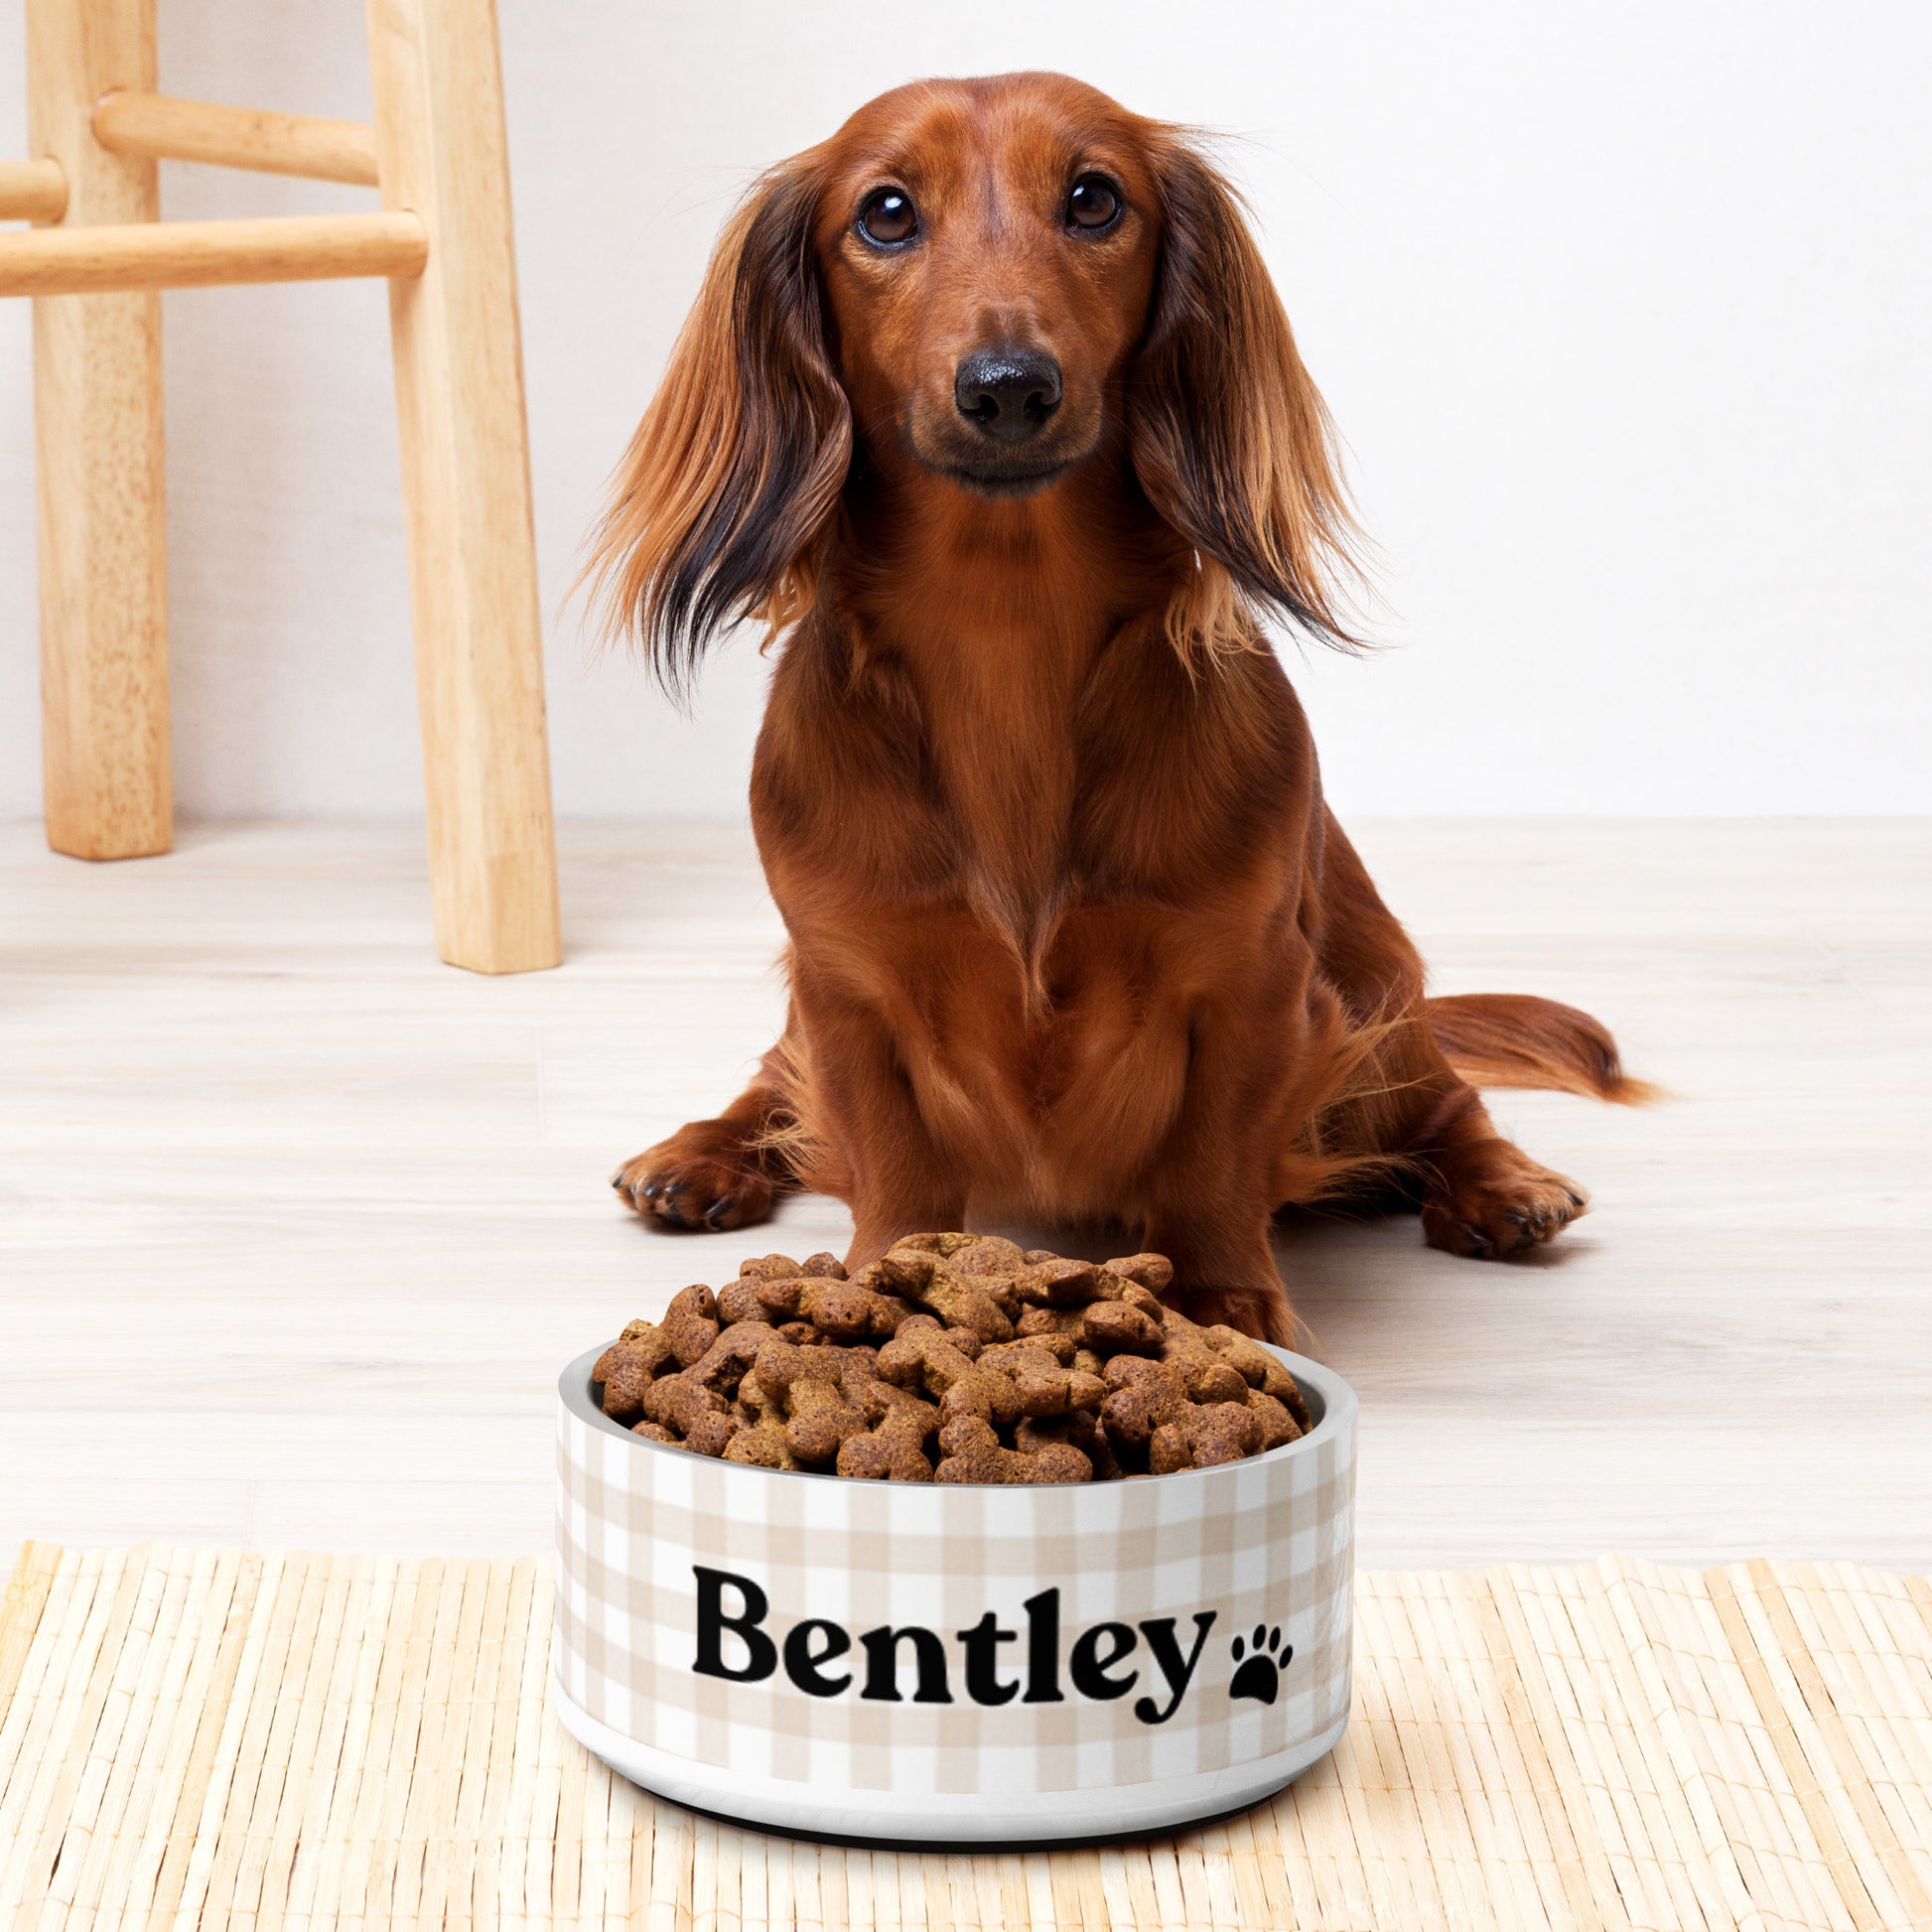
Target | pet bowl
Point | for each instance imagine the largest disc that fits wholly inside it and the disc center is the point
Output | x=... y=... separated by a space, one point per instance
x=954 y=1662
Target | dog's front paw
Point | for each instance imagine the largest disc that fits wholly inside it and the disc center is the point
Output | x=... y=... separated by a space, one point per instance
x=1493 y=1202
x=681 y=1186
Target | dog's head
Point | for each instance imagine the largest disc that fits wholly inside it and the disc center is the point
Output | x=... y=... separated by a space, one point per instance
x=977 y=287
x=988 y=252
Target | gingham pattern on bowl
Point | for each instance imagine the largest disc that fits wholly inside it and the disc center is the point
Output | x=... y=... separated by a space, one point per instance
x=1263 y=1544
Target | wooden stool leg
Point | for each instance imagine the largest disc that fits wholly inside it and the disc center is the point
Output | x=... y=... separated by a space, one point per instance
x=103 y=570
x=465 y=467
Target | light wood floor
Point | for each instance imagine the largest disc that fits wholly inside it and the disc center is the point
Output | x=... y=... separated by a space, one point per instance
x=296 y=1225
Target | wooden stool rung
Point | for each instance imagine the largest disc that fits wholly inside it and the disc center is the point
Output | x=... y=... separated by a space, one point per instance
x=208 y=254
x=162 y=129
x=33 y=191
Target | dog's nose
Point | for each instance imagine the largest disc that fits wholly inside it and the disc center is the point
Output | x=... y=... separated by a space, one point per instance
x=1009 y=393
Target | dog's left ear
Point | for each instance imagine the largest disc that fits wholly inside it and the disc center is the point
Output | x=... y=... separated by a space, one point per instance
x=720 y=503
x=1229 y=435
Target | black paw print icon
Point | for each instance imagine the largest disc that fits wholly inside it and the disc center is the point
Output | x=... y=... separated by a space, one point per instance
x=1258 y=1665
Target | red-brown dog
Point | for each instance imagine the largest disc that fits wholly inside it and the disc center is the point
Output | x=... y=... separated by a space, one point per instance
x=989 y=405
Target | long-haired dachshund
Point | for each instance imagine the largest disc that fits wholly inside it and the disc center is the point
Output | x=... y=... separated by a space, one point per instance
x=988 y=409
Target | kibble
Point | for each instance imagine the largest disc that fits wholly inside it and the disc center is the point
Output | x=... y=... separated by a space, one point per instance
x=952 y=1358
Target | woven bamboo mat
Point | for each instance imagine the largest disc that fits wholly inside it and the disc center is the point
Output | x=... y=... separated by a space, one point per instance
x=248 y=1741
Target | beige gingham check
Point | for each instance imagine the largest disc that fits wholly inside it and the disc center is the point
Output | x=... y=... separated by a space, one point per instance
x=1263 y=1544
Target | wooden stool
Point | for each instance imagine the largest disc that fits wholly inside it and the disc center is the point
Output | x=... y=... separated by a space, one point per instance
x=436 y=152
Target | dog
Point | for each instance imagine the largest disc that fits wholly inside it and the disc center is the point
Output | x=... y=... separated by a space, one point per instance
x=989 y=411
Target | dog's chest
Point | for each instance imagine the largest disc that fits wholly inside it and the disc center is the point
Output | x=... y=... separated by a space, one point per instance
x=1067 y=1068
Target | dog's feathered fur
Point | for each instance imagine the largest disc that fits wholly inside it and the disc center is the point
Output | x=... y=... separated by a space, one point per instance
x=1073 y=935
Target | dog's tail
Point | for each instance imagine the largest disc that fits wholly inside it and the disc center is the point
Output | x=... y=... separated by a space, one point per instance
x=1515 y=1040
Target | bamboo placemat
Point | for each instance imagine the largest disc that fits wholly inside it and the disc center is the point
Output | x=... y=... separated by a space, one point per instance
x=240 y=1740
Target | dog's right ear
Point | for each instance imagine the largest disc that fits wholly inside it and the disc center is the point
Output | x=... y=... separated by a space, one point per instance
x=718 y=505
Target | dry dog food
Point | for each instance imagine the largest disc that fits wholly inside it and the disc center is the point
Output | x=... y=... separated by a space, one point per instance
x=953 y=1358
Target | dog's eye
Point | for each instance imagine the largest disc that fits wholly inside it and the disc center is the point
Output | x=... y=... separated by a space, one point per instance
x=889 y=217
x=1094 y=204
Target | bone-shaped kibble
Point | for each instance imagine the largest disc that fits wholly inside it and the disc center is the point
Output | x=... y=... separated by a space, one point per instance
x=858 y=1376
x=1114 y=1323
x=973 y=1453
x=1202 y=1436
x=763 y=1445
x=1258 y=1369
x=724 y=1366
x=988 y=1256
x=874 y=1399
x=994 y=1266
x=1278 y=1423
x=1120 y=1328
x=807 y=1380
x=1034 y=1323
x=1146 y=1396
x=893 y=1449
x=921 y=1276
x=699 y=1415
x=754 y=1402
x=1062 y=1284
x=629 y=1367
x=1057 y=1344
x=1154 y=1273
x=1046 y=1387
x=739 y=1301
x=769 y=1268
x=968 y=1343
x=942 y=1245
x=1078 y=1429
x=690 y=1323
x=843 y=1310
x=924 y=1360
x=1207 y=1375
x=1213 y=1380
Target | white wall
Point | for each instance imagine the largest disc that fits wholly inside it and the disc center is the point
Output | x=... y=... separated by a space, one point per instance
x=1621 y=311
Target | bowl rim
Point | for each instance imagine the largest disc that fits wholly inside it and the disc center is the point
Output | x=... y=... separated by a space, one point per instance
x=1338 y=1411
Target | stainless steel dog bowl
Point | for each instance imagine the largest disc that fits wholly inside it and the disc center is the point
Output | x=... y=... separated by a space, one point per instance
x=939 y=1662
